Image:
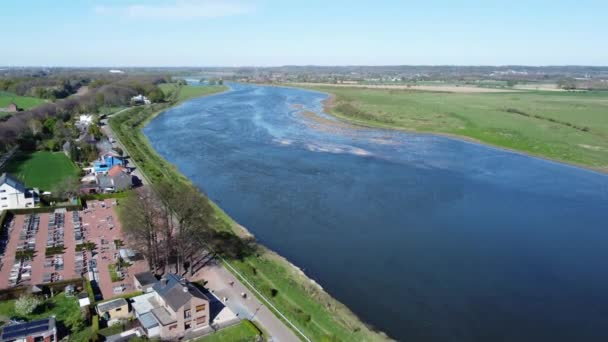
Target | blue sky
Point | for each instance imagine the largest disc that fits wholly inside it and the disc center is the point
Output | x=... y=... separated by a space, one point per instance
x=328 y=32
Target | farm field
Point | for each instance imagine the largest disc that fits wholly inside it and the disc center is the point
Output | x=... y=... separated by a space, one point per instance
x=24 y=102
x=42 y=170
x=188 y=91
x=565 y=126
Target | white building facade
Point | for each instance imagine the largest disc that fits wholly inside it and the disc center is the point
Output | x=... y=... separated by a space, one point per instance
x=14 y=194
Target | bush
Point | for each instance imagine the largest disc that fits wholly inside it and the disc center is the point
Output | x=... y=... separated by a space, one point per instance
x=26 y=304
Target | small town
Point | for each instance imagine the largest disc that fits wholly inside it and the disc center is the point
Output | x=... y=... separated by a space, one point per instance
x=69 y=270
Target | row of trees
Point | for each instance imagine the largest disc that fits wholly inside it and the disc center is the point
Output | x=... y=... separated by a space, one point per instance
x=22 y=128
x=172 y=225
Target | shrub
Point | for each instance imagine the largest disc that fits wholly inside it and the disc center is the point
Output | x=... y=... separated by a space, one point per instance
x=26 y=304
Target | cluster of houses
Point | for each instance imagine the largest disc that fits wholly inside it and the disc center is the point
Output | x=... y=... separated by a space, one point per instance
x=168 y=309
x=11 y=108
x=108 y=174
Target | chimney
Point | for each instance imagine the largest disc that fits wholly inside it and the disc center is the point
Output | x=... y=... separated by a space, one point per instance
x=163 y=281
x=185 y=289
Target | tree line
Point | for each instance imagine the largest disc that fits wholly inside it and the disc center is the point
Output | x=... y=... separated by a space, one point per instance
x=173 y=227
x=51 y=124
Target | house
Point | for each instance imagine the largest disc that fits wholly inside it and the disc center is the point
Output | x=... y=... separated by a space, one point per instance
x=140 y=99
x=106 y=163
x=83 y=299
x=115 y=179
x=144 y=281
x=14 y=194
x=38 y=330
x=114 y=309
x=11 y=108
x=173 y=308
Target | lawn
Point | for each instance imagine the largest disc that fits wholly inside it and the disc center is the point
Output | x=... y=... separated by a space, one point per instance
x=65 y=309
x=24 y=102
x=242 y=332
x=42 y=170
x=565 y=126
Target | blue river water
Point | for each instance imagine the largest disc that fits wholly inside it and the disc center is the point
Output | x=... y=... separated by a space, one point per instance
x=424 y=237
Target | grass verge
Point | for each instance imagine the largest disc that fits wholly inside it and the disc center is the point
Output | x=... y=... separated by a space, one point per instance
x=245 y=331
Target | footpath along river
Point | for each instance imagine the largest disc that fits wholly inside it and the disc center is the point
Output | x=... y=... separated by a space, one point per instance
x=427 y=238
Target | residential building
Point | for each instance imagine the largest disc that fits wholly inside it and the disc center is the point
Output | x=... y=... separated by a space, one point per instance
x=14 y=194
x=106 y=163
x=114 y=309
x=173 y=308
x=38 y=330
x=144 y=281
x=140 y=99
x=11 y=108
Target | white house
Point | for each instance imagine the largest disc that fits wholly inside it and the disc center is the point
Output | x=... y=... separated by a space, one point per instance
x=86 y=119
x=140 y=99
x=14 y=194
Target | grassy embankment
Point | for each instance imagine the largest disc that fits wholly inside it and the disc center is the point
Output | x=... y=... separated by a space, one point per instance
x=41 y=169
x=23 y=102
x=316 y=313
x=242 y=332
x=570 y=127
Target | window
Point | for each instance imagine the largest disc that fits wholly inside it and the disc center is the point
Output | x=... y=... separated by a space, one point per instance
x=201 y=320
x=172 y=327
x=187 y=326
x=2 y=190
x=187 y=314
x=118 y=309
x=3 y=198
x=4 y=205
x=200 y=308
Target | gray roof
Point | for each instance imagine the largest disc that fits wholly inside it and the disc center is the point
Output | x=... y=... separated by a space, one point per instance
x=163 y=316
x=173 y=292
x=121 y=182
x=110 y=305
x=145 y=278
x=12 y=181
x=148 y=320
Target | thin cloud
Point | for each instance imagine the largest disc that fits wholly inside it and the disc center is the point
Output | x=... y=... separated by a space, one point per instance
x=178 y=10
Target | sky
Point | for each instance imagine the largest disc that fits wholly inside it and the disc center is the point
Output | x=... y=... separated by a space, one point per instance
x=312 y=32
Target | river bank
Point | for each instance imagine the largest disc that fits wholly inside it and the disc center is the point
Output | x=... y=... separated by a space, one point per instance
x=299 y=298
x=580 y=152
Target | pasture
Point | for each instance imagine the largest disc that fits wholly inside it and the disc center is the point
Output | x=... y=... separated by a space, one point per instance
x=24 y=102
x=566 y=126
x=43 y=170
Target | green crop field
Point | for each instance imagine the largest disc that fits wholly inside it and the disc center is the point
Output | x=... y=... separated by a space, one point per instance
x=24 y=102
x=41 y=169
x=565 y=126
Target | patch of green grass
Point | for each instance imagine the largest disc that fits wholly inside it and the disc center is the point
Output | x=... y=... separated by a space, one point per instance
x=23 y=102
x=181 y=93
x=565 y=126
x=113 y=274
x=243 y=332
x=42 y=169
x=65 y=309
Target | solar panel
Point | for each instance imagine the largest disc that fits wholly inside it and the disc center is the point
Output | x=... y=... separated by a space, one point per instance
x=25 y=329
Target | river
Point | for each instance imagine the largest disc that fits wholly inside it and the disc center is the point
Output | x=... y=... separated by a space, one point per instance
x=425 y=237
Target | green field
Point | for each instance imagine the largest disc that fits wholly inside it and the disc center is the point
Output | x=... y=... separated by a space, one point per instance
x=312 y=310
x=24 y=102
x=41 y=170
x=242 y=332
x=566 y=126
x=188 y=91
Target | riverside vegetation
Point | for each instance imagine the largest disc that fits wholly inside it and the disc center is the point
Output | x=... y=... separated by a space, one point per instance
x=570 y=127
x=317 y=314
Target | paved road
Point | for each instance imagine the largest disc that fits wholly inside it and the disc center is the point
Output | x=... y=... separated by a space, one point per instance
x=218 y=280
x=107 y=130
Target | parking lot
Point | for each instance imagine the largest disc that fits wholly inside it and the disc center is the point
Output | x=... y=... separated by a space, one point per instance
x=61 y=245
